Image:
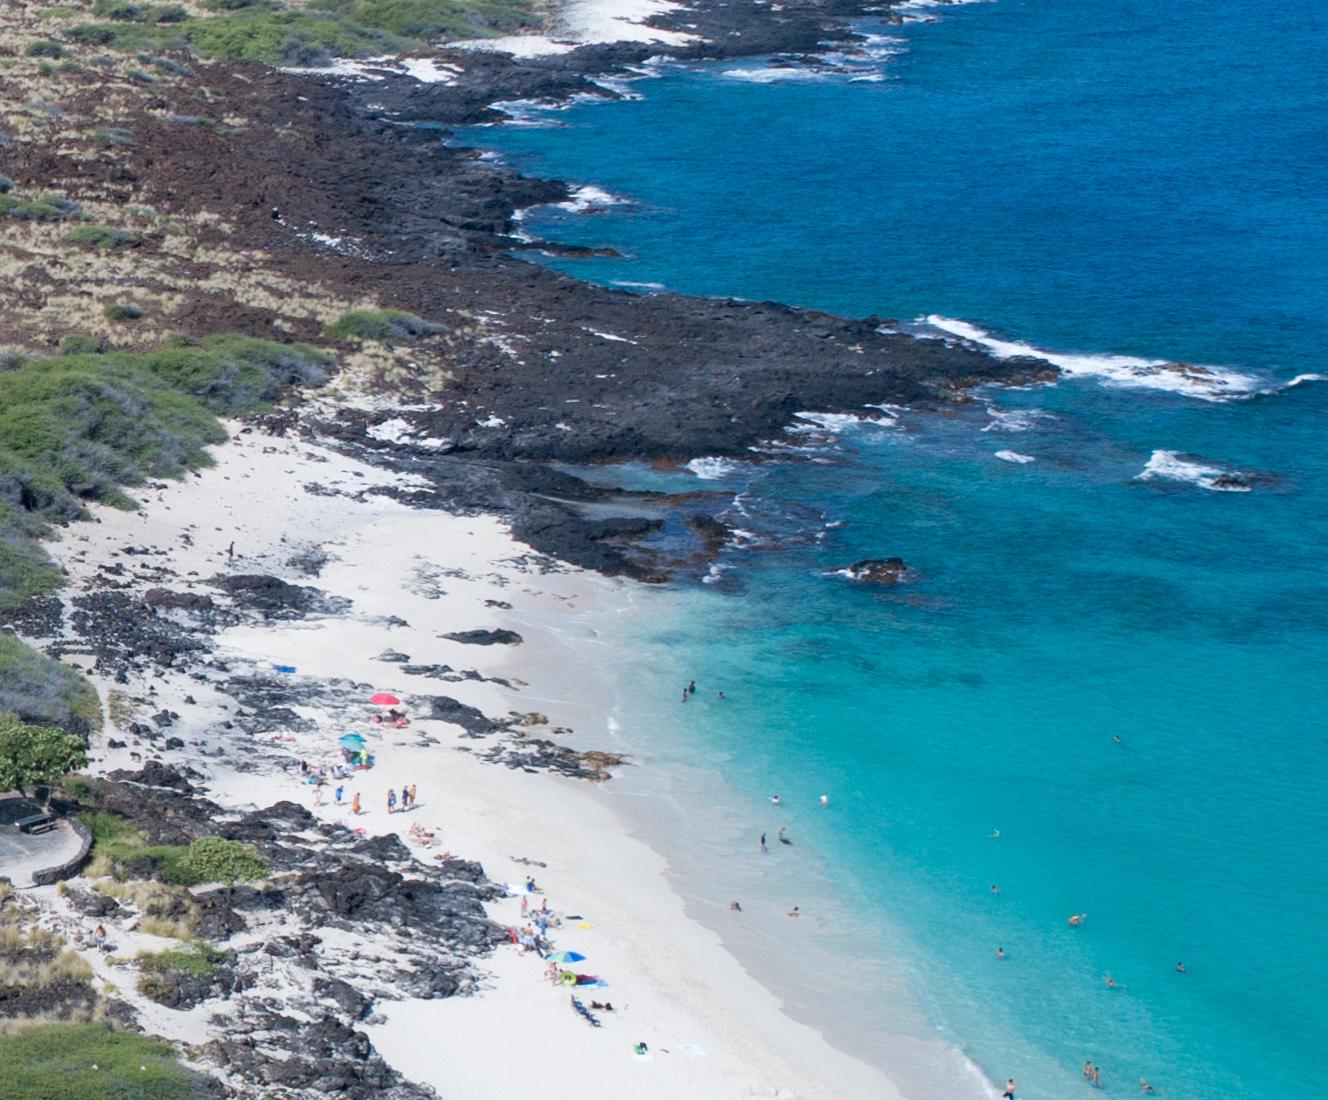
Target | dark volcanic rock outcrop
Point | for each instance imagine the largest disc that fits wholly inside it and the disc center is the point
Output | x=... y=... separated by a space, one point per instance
x=886 y=571
x=484 y=637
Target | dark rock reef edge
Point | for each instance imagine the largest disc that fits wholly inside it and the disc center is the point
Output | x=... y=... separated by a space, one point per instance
x=346 y=184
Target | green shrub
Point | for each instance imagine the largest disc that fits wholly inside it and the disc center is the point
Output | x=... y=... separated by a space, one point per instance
x=91 y=1062
x=80 y=343
x=6 y=185
x=196 y=960
x=121 y=311
x=386 y=325
x=103 y=236
x=213 y=859
x=37 y=210
x=112 y=135
x=93 y=34
x=44 y=47
x=122 y=11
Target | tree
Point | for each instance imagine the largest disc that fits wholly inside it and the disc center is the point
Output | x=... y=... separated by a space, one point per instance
x=32 y=755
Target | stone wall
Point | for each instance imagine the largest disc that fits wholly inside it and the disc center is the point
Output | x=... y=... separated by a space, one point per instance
x=70 y=867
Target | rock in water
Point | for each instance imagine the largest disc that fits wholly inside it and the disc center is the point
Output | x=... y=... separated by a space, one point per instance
x=878 y=571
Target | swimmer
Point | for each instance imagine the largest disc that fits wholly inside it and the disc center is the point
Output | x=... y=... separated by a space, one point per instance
x=763 y=847
x=1008 y=1094
x=722 y=695
x=793 y=912
x=995 y=889
x=1144 y=1086
x=995 y=834
x=774 y=800
x=735 y=906
x=783 y=836
x=1088 y=1071
x=1112 y=983
x=1076 y=919
x=1000 y=952
x=1116 y=737
x=1180 y=968
x=825 y=800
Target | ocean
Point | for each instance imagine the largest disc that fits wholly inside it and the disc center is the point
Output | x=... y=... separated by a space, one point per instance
x=1102 y=688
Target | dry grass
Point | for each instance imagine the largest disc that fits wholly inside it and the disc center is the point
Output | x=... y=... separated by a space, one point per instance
x=149 y=896
x=182 y=929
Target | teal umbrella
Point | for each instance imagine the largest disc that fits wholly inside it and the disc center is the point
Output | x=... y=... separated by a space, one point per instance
x=352 y=741
x=566 y=957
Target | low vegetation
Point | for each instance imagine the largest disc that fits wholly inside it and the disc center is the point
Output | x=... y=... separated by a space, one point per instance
x=118 y=846
x=103 y=236
x=195 y=960
x=300 y=34
x=91 y=1062
x=384 y=325
x=41 y=689
x=43 y=208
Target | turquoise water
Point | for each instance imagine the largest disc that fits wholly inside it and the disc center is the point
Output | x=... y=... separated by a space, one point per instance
x=1109 y=177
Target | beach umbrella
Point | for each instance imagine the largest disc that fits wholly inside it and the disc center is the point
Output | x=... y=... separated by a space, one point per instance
x=566 y=957
x=385 y=699
x=352 y=741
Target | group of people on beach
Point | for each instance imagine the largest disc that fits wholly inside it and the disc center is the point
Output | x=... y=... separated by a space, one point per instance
x=406 y=802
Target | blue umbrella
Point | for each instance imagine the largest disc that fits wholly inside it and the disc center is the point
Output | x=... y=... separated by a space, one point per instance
x=352 y=741
x=566 y=957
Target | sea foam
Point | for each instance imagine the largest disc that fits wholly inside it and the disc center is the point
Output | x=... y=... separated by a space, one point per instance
x=1192 y=470
x=1208 y=383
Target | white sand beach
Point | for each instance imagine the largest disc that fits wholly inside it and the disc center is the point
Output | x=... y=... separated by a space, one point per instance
x=711 y=1029
x=587 y=23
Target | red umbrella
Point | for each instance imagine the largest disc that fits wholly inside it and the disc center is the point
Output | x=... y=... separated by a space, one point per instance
x=385 y=699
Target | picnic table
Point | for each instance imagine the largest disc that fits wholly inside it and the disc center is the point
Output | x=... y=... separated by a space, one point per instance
x=36 y=823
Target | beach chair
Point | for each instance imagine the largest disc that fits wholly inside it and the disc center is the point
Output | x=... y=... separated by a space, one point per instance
x=585 y=1013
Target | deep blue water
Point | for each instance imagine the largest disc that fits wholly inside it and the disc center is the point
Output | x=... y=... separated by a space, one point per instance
x=1120 y=177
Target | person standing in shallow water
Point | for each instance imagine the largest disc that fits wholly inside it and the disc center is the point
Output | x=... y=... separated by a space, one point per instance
x=1008 y=1094
x=691 y=687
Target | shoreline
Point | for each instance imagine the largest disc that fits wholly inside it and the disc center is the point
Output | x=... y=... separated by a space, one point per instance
x=736 y=1035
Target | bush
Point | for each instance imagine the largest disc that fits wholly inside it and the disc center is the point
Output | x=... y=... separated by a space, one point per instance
x=45 y=48
x=6 y=185
x=123 y=12
x=197 y=960
x=213 y=859
x=103 y=236
x=93 y=34
x=116 y=311
x=37 y=210
x=91 y=1062
x=80 y=343
x=112 y=135
x=385 y=325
